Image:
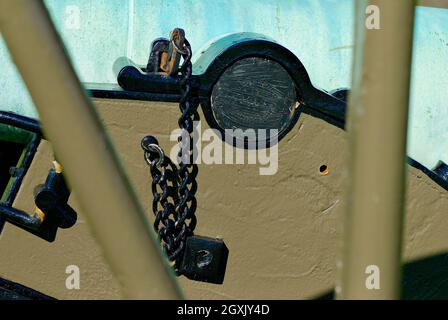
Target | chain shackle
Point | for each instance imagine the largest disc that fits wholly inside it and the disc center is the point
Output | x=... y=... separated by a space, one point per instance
x=154 y=155
x=174 y=188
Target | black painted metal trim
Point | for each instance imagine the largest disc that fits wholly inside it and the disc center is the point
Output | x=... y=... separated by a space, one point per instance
x=7 y=212
x=111 y=91
x=430 y=173
x=313 y=98
x=13 y=291
x=28 y=159
x=330 y=107
x=139 y=83
x=21 y=122
x=129 y=95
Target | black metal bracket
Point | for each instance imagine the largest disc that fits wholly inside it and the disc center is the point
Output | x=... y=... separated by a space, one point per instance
x=51 y=198
x=33 y=126
x=137 y=83
x=133 y=78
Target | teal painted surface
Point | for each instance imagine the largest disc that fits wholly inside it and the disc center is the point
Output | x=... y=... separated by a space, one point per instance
x=212 y=49
x=319 y=32
x=14 y=96
x=428 y=119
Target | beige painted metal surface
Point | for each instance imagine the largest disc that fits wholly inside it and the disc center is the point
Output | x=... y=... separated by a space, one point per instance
x=281 y=230
x=71 y=122
x=433 y=3
x=377 y=125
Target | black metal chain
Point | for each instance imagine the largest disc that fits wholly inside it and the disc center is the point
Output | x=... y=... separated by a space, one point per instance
x=174 y=189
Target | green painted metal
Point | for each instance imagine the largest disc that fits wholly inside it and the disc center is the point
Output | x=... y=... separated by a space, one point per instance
x=12 y=134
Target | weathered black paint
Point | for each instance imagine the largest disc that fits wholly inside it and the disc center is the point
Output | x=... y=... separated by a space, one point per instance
x=254 y=93
x=52 y=198
x=21 y=122
x=330 y=107
x=442 y=171
x=205 y=259
x=63 y=218
x=133 y=78
x=13 y=291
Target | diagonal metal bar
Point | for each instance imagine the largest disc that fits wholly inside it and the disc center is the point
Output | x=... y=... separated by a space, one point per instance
x=71 y=123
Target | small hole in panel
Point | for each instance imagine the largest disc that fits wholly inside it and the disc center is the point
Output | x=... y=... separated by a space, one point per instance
x=324 y=170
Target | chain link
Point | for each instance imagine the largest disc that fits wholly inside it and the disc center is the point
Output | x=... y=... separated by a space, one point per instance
x=174 y=189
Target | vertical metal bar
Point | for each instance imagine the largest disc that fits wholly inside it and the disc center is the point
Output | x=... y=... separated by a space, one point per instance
x=71 y=123
x=378 y=114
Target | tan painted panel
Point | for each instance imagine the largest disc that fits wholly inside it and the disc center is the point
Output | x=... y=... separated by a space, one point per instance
x=281 y=229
